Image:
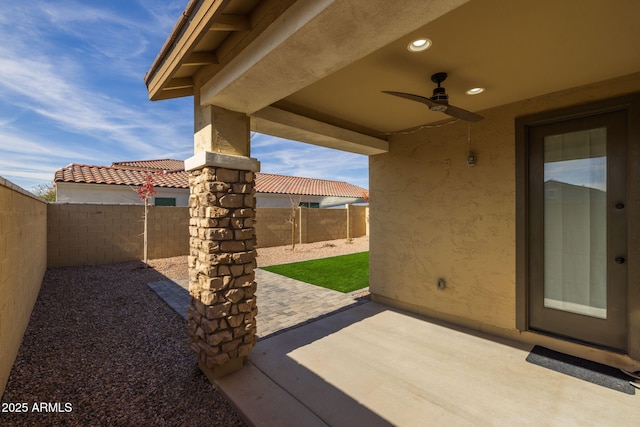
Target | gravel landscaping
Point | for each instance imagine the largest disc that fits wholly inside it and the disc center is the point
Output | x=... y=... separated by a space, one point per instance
x=101 y=344
x=101 y=348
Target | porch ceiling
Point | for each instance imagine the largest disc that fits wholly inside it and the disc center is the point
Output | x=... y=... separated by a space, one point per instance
x=330 y=63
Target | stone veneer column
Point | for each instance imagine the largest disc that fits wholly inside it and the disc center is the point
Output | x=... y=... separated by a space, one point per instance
x=222 y=313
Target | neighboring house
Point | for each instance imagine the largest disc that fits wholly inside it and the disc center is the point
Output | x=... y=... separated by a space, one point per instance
x=281 y=191
x=453 y=202
x=117 y=184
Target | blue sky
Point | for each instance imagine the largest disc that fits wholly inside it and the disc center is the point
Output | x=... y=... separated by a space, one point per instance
x=72 y=91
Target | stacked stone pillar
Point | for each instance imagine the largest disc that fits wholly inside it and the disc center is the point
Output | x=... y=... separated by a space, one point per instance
x=222 y=313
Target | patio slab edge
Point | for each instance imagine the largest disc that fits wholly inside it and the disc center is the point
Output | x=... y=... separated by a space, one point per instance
x=262 y=402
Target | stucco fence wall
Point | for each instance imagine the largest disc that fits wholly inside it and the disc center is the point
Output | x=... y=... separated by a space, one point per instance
x=84 y=234
x=23 y=262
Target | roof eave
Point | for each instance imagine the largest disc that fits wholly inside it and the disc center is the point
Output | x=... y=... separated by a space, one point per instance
x=189 y=29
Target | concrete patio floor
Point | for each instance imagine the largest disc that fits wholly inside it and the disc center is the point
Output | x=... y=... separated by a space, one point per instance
x=371 y=365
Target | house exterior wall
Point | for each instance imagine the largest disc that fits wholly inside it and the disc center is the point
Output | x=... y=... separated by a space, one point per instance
x=85 y=234
x=23 y=262
x=70 y=192
x=269 y=200
x=433 y=216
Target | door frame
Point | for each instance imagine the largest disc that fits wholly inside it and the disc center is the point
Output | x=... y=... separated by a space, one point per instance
x=631 y=105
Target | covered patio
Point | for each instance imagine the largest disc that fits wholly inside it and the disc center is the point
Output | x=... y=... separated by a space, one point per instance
x=372 y=365
x=468 y=224
x=100 y=340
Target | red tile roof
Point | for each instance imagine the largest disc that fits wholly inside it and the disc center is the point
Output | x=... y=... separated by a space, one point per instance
x=172 y=175
x=119 y=176
x=164 y=164
x=283 y=184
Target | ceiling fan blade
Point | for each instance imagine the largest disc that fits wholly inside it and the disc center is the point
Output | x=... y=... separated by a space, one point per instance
x=456 y=112
x=421 y=99
x=461 y=114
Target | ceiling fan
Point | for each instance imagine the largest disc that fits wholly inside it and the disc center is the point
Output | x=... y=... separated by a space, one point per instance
x=439 y=101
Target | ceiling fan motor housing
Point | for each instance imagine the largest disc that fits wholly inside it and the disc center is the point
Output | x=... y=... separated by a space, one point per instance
x=439 y=96
x=439 y=102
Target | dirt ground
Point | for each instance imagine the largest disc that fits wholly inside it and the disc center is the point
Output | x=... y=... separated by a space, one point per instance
x=177 y=268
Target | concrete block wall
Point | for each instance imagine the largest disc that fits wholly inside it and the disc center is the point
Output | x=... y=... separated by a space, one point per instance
x=312 y=225
x=328 y=224
x=84 y=234
x=272 y=227
x=358 y=220
x=168 y=230
x=23 y=262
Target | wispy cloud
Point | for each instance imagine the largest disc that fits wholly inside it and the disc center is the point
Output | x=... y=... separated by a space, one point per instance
x=299 y=159
x=72 y=91
x=28 y=159
x=50 y=59
x=35 y=85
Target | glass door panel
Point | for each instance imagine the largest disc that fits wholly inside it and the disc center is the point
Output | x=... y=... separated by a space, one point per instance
x=575 y=222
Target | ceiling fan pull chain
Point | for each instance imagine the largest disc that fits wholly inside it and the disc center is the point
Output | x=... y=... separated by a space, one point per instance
x=471 y=157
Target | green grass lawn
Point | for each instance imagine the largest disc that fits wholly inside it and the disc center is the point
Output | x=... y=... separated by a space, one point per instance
x=345 y=273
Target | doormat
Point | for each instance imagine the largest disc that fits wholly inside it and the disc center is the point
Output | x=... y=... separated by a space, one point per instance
x=586 y=370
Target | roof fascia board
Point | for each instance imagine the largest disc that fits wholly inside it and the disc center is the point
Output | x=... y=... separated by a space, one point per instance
x=283 y=124
x=293 y=52
x=196 y=28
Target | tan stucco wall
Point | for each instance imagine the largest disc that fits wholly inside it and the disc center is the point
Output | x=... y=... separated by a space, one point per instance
x=432 y=216
x=23 y=262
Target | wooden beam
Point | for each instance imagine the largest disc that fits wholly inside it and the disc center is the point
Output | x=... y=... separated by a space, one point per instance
x=179 y=83
x=201 y=58
x=231 y=23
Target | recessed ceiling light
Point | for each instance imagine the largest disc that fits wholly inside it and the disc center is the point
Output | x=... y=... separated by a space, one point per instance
x=419 y=45
x=475 y=91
